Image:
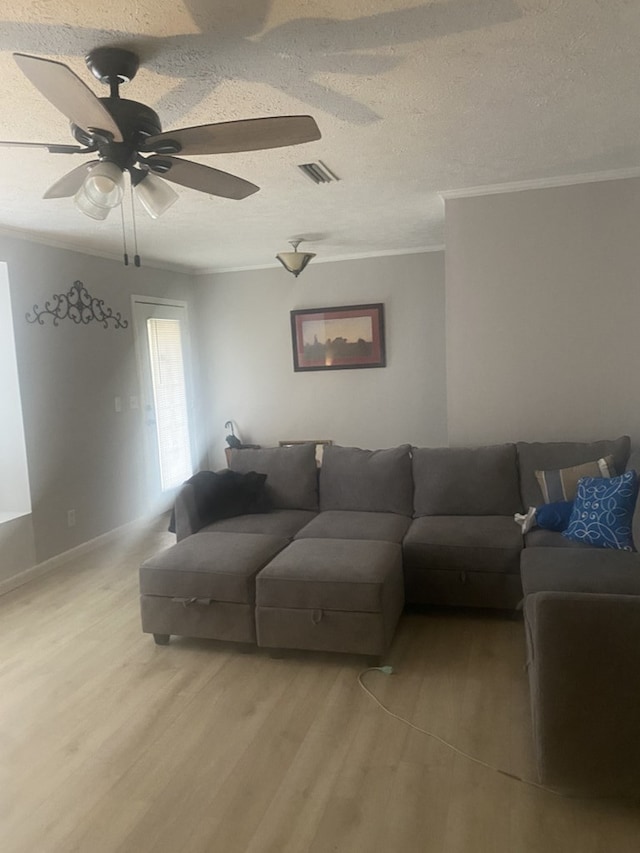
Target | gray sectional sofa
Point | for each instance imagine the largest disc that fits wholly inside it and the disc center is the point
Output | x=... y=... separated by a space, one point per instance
x=339 y=552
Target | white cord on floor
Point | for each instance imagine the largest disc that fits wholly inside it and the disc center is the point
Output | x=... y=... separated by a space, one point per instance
x=387 y=670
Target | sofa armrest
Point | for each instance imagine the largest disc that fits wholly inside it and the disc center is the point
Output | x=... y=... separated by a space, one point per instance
x=634 y=463
x=584 y=678
x=187 y=519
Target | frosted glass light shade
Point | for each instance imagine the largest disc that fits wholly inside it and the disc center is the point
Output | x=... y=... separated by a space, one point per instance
x=101 y=191
x=155 y=195
x=295 y=262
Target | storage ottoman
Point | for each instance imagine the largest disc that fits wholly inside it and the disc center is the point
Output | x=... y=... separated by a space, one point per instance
x=205 y=586
x=338 y=595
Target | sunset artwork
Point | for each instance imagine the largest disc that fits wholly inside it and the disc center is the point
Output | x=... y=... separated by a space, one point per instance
x=338 y=338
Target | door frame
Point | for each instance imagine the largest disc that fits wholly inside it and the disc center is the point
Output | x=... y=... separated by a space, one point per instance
x=145 y=384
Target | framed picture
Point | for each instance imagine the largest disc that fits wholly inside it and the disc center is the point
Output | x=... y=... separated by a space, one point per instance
x=338 y=338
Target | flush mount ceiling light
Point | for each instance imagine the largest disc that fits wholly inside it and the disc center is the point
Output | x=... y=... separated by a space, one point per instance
x=294 y=262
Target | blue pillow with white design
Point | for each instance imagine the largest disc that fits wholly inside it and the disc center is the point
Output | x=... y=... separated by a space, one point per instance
x=603 y=510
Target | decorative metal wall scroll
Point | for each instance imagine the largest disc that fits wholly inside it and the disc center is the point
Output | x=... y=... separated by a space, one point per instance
x=78 y=305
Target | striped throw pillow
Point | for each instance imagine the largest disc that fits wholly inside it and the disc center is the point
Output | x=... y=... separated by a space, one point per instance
x=562 y=485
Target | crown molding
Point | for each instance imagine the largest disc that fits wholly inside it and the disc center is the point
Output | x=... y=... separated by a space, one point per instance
x=324 y=260
x=34 y=237
x=541 y=183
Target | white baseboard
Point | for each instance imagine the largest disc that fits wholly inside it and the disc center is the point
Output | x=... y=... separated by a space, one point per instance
x=53 y=563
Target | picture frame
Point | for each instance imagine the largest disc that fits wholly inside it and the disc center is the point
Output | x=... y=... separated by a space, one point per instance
x=343 y=337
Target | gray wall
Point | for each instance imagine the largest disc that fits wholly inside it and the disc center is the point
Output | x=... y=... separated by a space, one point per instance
x=17 y=546
x=81 y=453
x=543 y=303
x=247 y=356
x=14 y=481
x=542 y=307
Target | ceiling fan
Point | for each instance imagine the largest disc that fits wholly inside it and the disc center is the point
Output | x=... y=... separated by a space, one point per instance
x=127 y=136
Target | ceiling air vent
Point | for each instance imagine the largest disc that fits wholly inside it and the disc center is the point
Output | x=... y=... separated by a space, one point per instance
x=318 y=172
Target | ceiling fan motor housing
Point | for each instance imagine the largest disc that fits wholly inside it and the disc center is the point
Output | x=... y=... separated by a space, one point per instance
x=112 y=65
x=136 y=122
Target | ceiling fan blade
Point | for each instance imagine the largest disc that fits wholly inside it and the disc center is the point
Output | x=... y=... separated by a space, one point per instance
x=199 y=177
x=66 y=91
x=52 y=147
x=70 y=183
x=227 y=137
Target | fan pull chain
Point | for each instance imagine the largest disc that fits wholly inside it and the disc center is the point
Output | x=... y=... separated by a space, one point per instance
x=136 y=257
x=124 y=237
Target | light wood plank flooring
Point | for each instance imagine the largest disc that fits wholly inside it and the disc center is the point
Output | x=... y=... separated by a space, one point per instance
x=109 y=743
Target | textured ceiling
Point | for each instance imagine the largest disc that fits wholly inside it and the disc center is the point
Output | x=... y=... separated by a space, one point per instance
x=412 y=99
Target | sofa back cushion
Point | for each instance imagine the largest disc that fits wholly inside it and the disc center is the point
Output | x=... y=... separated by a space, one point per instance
x=466 y=480
x=550 y=455
x=292 y=474
x=367 y=480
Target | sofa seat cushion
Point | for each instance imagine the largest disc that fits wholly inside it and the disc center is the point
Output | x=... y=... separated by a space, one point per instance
x=217 y=566
x=580 y=570
x=331 y=574
x=463 y=543
x=278 y=522
x=466 y=480
x=539 y=538
x=367 y=480
x=336 y=524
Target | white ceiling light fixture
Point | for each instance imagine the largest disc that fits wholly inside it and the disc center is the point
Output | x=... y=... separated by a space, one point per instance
x=294 y=262
x=101 y=190
x=154 y=194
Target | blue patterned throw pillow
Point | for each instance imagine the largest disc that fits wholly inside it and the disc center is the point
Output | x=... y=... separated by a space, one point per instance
x=602 y=512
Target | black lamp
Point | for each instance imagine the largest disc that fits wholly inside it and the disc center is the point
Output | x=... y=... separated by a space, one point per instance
x=232 y=439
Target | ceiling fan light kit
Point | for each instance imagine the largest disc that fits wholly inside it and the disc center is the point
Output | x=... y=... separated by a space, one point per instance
x=128 y=137
x=101 y=190
x=154 y=194
x=294 y=262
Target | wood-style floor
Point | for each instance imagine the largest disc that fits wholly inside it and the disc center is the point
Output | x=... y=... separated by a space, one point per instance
x=110 y=743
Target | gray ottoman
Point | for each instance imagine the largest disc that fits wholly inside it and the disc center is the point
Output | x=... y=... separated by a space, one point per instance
x=337 y=595
x=205 y=586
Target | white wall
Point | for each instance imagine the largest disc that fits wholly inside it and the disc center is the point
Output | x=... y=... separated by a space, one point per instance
x=81 y=453
x=248 y=366
x=543 y=304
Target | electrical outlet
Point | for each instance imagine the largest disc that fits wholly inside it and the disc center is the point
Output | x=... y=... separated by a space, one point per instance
x=118 y=404
x=71 y=518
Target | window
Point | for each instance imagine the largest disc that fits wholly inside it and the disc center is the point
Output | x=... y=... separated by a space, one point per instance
x=170 y=400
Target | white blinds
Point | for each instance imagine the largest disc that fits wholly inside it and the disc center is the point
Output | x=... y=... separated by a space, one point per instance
x=170 y=399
